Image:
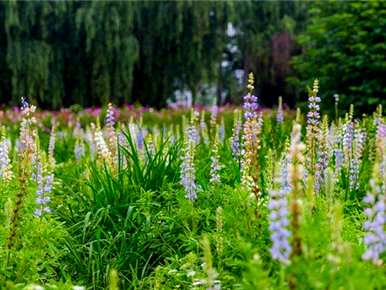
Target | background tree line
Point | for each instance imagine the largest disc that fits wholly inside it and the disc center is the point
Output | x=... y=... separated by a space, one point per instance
x=63 y=53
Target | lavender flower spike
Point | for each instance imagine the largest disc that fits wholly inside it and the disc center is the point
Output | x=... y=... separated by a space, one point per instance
x=188 y=171
x=278 y=218
x=279 y=113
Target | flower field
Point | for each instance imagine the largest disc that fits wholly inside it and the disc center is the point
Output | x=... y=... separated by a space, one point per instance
x=200 y=198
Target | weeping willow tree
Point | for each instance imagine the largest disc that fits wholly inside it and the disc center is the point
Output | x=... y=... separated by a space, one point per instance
x=181 y=44
x=33 y=58
x=88 y=52
x=60 y=53
x=110 y=49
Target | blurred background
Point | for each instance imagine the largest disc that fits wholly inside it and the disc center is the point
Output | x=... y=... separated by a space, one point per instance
x=156 y=53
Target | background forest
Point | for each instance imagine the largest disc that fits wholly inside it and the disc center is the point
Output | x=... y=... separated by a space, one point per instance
x=153 y=53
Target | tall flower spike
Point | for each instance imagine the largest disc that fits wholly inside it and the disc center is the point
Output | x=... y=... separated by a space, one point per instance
x=251 y=138
x=235 y=139
x=215 y=165
x=44 y=188
x=375 y=236
x=295 y=176
x=51 y=146
x=188 y=172
x=347 y=142
x=79 y=149
x=213 y=117
x=5 y=162
x=102 y=148
x=313 y=121
x=27 y=143
x=111 y=135
x=278 y=216
x=358 y=148
x=323 y=155
x=279 y=113
x=193 y=126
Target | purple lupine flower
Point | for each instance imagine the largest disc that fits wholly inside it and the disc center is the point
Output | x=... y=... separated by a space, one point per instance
x=215 y=165
x=79 y=150
x=313 y=116
x=213 y=116
x=347 y=141
x=188 y=172
x=338 y=159
x=140 y=138
x=375 y=237
x=5 y=163
x=278 y=218
x=195 y=136
x=279 y=113
x=358 y=144
x=44 y=188
x=24 y=103
x=250 y=106
x=313 y=122
x=110 y=117
x=235 y=140
x=381 y=129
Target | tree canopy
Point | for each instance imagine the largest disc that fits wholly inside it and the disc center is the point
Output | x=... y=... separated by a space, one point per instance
x=60 y=53
x=344 y=46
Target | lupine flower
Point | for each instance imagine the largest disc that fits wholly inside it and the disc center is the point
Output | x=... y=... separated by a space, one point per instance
x=323 y=155
x=250 y=101
x=188 y=172
x=313 y=123
x=347 y=142
x=252 y=130
x=235 y=139
x=278 y=217
x=90 y=140
x=79 y=150
x=358 y=147
x=338 y=160
x=381 y=144
x=193 y=127
x=110 y=117
x=43 y=191
x=27 y=134
x=375 y=237
x=102 y=148
x=5 y=163
x=27 y=145
x=51 y=145
x=279 y=113
x=111 y=136
x=213 y=117
x=215 y=165
x=140 y=138
x=295 y=178
x=78 y=132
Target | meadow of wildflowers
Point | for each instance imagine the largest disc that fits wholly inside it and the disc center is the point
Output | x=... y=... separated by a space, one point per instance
x=192 y=198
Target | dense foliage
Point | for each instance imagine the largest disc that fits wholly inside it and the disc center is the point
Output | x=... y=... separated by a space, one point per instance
x=344 y=46
x=88 y=52
x=202 y=199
